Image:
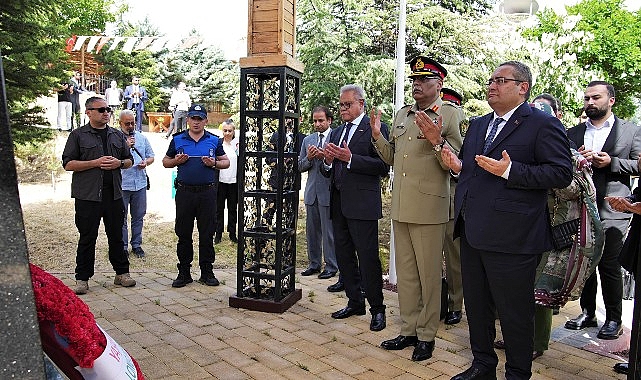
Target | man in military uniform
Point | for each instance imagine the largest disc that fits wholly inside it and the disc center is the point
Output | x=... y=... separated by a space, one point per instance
x=420 y=202
x=452 y=247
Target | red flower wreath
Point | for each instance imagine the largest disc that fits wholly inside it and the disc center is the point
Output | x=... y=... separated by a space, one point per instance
x=69 y=333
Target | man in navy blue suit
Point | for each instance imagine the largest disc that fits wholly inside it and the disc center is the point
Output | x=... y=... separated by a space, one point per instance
x=355 y=205
x=509 y=160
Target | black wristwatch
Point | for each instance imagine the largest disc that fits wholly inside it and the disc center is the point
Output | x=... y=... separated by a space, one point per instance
x=122 y=164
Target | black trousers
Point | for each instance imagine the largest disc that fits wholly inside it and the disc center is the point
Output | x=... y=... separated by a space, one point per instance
x=227 y=193
x=200 y=206
x=356 y=246
x=609 y=272
x=88 y=216
x=503 y=282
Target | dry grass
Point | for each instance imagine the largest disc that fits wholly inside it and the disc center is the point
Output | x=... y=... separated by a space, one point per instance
x=52 y=238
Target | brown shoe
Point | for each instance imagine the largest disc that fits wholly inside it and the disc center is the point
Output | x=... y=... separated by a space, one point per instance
x=124 y=280
x=81 y=287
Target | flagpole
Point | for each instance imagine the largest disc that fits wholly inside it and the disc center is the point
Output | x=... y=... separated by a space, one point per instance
x=399 y=102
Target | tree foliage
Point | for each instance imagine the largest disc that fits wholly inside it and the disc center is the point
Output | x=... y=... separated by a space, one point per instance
x=350 y=41
x=598 y=39
x=32 y=42
x=208 y=75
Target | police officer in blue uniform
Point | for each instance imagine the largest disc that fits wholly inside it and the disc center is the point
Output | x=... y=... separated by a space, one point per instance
x=197 y=154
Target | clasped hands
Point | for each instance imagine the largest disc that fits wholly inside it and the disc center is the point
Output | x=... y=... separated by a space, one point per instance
x=598 y=159
x=108 y=163
x=496 y=167
x=623 y=204
x=333 y=151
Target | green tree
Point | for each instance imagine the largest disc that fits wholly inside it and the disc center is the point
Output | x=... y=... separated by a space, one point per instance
x=32 y=42
x=598 y=39
x=350 y=41
x=122 y=66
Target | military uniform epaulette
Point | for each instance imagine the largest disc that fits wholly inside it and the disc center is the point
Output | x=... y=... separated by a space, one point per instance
x=446 y=103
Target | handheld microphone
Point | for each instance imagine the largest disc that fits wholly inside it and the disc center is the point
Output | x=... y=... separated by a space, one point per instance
x=131 y=134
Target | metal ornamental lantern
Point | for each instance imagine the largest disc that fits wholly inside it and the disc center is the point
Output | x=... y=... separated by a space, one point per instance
x=268 y=161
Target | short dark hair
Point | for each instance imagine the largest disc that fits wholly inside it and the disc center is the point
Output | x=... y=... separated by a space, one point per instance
x=554 y=102
x=92 y=100
x=325 y=110
x=521 y=72
x=607 y=85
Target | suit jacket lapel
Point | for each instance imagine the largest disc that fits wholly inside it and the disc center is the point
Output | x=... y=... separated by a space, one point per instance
x=360 y=131
x=482 y=131
x=511 y=125
x=613 y=136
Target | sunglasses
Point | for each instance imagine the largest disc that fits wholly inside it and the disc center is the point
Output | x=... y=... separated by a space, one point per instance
x=101 y=109
x=128 y=123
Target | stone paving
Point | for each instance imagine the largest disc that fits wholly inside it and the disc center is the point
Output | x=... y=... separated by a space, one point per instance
x=192 y=333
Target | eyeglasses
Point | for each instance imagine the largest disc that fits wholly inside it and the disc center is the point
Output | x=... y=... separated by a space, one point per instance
x=128 y=123
x=101 y=109
x=501 y=81
x=421 y=79
x=347 y=105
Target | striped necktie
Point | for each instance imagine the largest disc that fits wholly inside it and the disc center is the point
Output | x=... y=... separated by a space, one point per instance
x=490 y=137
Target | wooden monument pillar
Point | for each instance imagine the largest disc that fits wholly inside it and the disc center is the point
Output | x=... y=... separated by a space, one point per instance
x=268 y=160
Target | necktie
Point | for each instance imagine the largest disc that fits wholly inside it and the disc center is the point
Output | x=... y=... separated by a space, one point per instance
x=348 y=127
x=320 y=140
x=341 y=166
x=490 y=137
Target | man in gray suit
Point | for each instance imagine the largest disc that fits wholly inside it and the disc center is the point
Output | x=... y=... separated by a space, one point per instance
x=612 y=146
x=319 y=241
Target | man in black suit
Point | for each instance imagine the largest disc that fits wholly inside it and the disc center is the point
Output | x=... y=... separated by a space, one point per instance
x=355 y=170
x=509 y=160
x=612 y=146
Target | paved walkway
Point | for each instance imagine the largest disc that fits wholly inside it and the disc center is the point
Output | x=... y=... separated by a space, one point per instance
x=192 y=333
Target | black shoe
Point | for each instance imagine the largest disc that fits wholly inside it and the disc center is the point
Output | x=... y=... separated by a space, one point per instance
x=453 y=317
x=217 y=239
x=233 y=238
x=499 y=344
x=399 y=343
x=337 y=287
x=126 y=252
x=474 y=373
x=422 y=351
x=621 y=368
x=310 y=271
x=582 y=321
x=208 y=279
x=610 y=330
x=324 y=275
x=536 y=354
x=182 y=280
x=378 y=322
x=348 y=311
x=139 y=252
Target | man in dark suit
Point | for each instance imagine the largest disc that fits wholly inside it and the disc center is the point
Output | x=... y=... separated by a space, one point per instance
x=613 y=147
x=509 y=160
x=355 y=170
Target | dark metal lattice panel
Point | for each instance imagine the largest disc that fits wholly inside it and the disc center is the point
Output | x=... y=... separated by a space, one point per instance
x=268 y=197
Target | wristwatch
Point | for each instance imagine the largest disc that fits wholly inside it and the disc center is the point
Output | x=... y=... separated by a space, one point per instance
x=438 y=147
x=122 y=164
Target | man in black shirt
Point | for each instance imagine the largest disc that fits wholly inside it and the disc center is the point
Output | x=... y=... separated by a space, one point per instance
x=96 y=153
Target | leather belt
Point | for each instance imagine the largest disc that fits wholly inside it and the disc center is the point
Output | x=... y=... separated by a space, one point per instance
x=194 y=188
